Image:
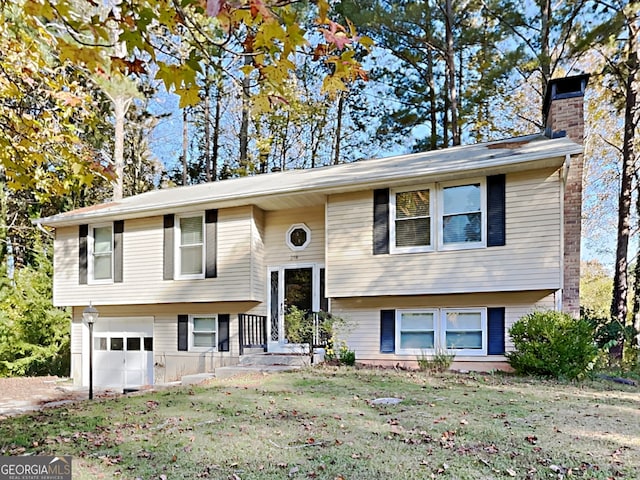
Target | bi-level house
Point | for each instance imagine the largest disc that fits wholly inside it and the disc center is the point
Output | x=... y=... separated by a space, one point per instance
x=421 y=252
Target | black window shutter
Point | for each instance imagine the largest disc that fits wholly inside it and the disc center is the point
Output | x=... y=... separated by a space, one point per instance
x=495 y=331
x=387 y=331
x=183 y=333
x=381 y=221
x=82 y=254
x=211 y=243
x=118 y=230
x=168 y=246
x=223 y=332
x=496 y=229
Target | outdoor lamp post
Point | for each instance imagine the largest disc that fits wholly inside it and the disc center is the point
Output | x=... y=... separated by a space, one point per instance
x=90 y=316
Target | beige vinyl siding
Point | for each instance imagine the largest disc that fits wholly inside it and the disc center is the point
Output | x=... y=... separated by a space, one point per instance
x=143 y=266
x=277 y=223
x=171 y=364
x=530 y=260
x=362 y=317
x=258 y=266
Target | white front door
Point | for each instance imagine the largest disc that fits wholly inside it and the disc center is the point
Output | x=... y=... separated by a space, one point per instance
x=122 y=353
x=300 y=285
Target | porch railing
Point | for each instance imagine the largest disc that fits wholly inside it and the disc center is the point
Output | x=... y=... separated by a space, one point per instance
x=252 y=331
x=321 y=335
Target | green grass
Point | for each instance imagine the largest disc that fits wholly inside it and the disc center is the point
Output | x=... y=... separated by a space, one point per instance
x=318 y=423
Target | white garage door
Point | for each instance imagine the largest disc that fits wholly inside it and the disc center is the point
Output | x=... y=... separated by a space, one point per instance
x=123 y=352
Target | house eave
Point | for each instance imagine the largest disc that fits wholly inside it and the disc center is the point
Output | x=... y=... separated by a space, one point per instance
x=307 y=187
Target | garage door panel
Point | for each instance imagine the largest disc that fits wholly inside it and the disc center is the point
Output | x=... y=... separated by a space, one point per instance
x=123 y=352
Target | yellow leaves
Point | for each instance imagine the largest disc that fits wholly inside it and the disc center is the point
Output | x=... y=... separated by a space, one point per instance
x=269 y=35
x=332 y=85
x=78 y=55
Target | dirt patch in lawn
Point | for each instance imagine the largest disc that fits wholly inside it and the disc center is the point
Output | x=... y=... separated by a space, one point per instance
x=24 y=394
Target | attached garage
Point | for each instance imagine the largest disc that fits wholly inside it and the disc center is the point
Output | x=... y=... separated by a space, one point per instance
x=123 y=352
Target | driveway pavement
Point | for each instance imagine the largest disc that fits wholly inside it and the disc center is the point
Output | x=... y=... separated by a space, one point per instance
x=26 y=394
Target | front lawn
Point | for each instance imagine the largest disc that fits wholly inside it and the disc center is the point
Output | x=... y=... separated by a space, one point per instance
x=320 y=423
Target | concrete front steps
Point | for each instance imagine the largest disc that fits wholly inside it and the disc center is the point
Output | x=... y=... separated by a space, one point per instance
x=251 y=364
x=264 y=363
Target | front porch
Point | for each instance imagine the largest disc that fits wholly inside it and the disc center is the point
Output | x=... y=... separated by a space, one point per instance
x=256 y=335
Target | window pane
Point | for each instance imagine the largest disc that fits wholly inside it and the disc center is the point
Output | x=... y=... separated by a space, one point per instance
x=117 y=344
x=416 y=340
x=462 y=228
x=412 y=204
x=102 y=240
x=462 y=199
x=416 y=321
x=148 y=344
x=464 y=321
x=204 y=339
x=102 y=267
x=190 y=230
x=100 y=343
x=191 y=260
x=205 y=324
x=413 y=232
x=469 y=340
x=133 y=344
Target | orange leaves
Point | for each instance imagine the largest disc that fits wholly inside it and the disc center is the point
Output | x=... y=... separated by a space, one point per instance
x=336 y=34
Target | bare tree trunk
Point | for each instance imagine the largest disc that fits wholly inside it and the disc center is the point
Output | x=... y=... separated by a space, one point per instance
x=207 y=128
x=631 y=119
x=545 y=55
x=244 y=125
x=433 y=102
x=185 y=147
x=216 y=131
x=451 y=73
x=120 y=107
x=336 y=150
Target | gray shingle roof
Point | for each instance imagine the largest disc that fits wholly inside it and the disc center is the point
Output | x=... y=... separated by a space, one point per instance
x=269 y=191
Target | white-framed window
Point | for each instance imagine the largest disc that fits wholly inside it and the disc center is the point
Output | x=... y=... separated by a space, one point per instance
x=415 y=330
x=441 y=216
x=460 y=331
x=464 y=330
x=298 y=237
x=203 y=332
x=411 y=212
x=100 y=245
x=190 y=248
x=462 y=215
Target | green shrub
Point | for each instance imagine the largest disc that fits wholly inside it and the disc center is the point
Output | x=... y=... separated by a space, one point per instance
x=347 y=356
x=439 y=362
x=552 y=344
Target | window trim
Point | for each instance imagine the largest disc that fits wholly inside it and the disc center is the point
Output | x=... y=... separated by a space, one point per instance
x=416 y=351
x=441 y=246
x=291 y=229
x=91 y=255
x=439 y=335
x=483 y=328
x=432 y=188
x=191 y=332
x=178 y=244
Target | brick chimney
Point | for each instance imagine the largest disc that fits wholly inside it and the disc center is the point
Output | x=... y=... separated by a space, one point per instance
x=563 y=110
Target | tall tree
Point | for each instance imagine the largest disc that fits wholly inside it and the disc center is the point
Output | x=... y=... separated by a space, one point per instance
x=539 y=40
